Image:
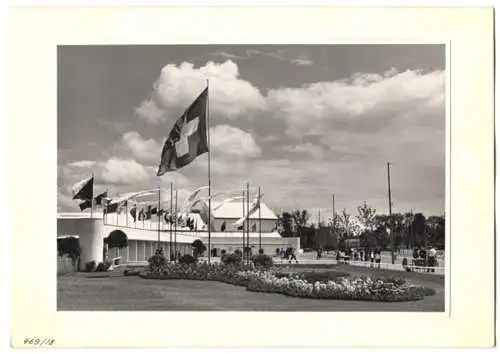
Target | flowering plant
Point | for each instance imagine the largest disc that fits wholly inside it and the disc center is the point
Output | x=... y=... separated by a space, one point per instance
x=268 y=280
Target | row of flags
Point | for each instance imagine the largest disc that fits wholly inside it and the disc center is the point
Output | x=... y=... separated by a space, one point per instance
x=84 y=191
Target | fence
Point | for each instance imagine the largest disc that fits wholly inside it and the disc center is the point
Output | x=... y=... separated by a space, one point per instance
x=387 y=266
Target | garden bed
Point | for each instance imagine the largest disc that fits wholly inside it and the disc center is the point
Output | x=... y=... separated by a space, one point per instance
x=310 y=284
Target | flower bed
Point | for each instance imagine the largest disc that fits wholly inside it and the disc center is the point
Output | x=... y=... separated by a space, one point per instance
x=297 y=285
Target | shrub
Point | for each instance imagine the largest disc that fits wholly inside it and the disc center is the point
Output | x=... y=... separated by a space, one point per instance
x=231 y=258
x=187 y=259
x=103 y=266
x=222 y=253
x=261 y=251
x=198 y=248
x=157 y=263
x=70 y=246
x=262 y=260
x=238 y=253
x=90 y=266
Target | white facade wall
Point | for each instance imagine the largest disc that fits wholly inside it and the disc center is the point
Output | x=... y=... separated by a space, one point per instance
x=90 y=232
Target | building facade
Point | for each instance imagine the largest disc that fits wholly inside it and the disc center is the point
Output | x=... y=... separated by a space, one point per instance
x=144 y=237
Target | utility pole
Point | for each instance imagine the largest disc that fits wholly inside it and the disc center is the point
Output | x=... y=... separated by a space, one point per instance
x=334 y=219
x=390 y=211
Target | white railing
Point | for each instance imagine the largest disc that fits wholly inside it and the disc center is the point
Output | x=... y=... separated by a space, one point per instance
x=388 y=266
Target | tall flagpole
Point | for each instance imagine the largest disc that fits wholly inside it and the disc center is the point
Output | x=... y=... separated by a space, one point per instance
x=243 y=225
x=126 y=213
x=260 y=223
x=158 y=212
x=92 y=198
x=175 y=230
x=248 y=222
x=136 y=214
x=209 y=177
x=171 y=215
x=334 y=217
x=390 y=210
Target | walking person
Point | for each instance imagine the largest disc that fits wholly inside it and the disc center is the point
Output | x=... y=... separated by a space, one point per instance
x=292 y=256
x=378 y=258
x=432 y=259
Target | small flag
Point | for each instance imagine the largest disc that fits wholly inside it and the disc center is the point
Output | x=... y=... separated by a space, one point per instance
x=141 y=215
x=133 y=212
x=147 y=215
x=187 y=139
x=100 y=197
x=85 y=205
x=223 y=226
x=84 y=189
x=111 y=208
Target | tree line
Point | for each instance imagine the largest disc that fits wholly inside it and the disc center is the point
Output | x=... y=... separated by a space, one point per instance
x=367 y=227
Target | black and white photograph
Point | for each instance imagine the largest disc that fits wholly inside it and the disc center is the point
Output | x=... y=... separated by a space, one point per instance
x=257 y=177
x=252 y=177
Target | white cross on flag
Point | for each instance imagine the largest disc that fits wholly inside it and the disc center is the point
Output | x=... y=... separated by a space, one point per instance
x=188 y=138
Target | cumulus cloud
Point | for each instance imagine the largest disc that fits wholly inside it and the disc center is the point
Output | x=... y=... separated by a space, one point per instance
x=119 y=171
x=141 y=149
x=371 y=98
x=82 y=164
x=150 y=112
x=232 y=141
x=177 y=87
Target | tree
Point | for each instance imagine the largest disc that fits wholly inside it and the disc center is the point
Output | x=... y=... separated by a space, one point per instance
x=285 y=224
x=198 y=248
x=366 y=217
x=300 y=219
x=116 y=239
x=418 y=226
x=408 y=234
x=348 y=227
x=435 y=231
x=70 y=247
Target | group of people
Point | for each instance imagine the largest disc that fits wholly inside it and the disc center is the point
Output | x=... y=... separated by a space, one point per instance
x=426 y=258
x=363 y=255
x=287 y=254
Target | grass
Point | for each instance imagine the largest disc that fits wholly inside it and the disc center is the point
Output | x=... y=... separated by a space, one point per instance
x=113 y=291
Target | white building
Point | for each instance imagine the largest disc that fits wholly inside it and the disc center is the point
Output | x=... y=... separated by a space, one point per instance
x=144 y=237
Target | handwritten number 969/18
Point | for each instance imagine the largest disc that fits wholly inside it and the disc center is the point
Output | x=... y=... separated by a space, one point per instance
x=39 y=341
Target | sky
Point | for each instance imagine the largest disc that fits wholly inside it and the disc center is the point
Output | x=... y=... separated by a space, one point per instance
x=303 y=122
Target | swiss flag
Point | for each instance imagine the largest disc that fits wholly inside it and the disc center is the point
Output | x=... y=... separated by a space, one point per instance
x=188 y=138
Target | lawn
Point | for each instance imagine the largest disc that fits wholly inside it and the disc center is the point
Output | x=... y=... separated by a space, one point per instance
x=113 y=291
